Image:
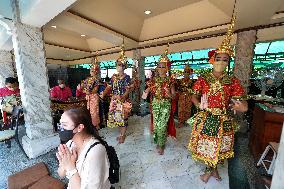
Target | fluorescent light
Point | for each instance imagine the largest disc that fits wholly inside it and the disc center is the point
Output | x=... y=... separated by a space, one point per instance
x=83 y=35
x=53 y=26
x=147 y=12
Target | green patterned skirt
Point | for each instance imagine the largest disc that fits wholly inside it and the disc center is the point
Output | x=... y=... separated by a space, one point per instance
x=161 y=112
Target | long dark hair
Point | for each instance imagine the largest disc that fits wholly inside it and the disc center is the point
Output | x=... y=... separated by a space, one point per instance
x=80 y=115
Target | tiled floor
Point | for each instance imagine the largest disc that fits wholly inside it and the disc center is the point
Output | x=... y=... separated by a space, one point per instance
x=142 y=167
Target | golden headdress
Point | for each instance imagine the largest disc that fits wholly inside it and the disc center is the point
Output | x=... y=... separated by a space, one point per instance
x=225 y=46
x=164 y=57
x=95 y=64
x=122 y=58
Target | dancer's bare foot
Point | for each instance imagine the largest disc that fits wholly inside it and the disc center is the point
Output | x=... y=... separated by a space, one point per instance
x=161 y=151
x=157 y=149
x=216 y=175
x=121 y=139
x=205 y=177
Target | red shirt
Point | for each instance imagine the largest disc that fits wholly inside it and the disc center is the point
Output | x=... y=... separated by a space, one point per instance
x=80 y=93
x=61 y=94
x=6 y=92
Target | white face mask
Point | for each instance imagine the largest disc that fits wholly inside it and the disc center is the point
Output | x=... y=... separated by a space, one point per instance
x=61 y=86
x=119 y=68
x=219 y=66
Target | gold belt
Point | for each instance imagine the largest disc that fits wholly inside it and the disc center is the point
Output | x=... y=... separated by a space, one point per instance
x=161 y=99
x=216 y=111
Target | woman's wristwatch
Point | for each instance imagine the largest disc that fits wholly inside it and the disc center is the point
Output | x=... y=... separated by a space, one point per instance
x=70 y=174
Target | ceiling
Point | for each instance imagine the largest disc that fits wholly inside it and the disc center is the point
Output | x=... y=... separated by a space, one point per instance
x=106 y=23
x=157 y=7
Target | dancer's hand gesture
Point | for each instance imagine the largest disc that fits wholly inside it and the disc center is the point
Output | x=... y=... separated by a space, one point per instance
x=204 y=102
x=240 y=106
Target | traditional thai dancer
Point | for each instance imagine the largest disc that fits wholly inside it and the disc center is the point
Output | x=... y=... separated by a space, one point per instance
x=184 y=96
x=90 y=87
x=120 y=105
x=212 y=137
x=162 y=91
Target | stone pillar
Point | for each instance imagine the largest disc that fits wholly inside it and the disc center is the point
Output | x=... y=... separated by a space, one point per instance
x=140 y=65
x=278 y=176
x=134 y=95
x=6 y=66
x=33 y=82
x=244 y=56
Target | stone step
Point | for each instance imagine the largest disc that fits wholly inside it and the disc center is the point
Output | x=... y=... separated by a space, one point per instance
x=27 y=177
x=48 y=182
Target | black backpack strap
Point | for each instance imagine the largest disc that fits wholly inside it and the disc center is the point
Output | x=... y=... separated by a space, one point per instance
x=91 y=148
x=71 y=144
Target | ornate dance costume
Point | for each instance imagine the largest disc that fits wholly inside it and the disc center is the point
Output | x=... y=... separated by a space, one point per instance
x=90 y=88
x=212 y=135
x=184 y=98
x=119 y=111
x=119 y=85
x=161 y=106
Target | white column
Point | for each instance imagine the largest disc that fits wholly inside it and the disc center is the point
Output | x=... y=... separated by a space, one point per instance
x=33 y=82
x=6 y=66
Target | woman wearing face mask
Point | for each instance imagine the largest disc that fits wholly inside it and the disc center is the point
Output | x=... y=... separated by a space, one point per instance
x=85 y=167
x=120 y=105
x=184 y=98
x=213 y=129
x=9 y=97
x=90 y=87
x=163 y=91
